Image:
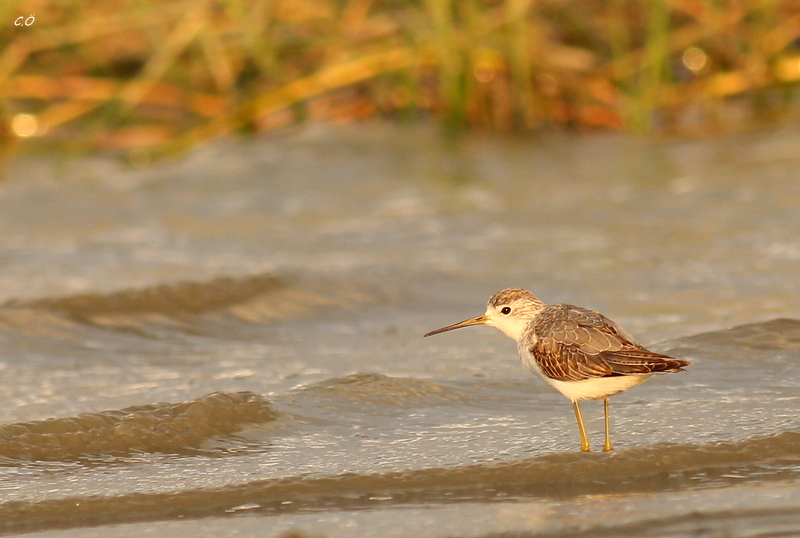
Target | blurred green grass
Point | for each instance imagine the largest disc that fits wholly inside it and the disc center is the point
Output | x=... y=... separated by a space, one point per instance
x=161 y=77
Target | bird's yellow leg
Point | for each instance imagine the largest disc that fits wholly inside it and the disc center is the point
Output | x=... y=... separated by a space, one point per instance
x=584 y=439
x=607 y=444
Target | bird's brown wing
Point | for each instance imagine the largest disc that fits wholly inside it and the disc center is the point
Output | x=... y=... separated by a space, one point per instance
x=573 y=344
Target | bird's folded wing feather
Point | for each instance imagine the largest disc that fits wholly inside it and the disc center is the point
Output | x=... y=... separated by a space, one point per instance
x=573 y=344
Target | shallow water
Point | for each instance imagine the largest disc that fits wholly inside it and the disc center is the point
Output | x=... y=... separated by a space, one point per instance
x=233 y=342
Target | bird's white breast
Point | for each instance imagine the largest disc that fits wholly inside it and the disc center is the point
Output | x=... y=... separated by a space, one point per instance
x=597 y=388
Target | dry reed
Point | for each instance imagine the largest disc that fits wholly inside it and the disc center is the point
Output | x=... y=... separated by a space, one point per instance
x=162 y=77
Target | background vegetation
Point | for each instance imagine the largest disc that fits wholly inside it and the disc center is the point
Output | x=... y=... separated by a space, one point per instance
x=163 y=76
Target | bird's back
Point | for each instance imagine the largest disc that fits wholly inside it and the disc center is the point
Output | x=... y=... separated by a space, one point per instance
x=572 y=343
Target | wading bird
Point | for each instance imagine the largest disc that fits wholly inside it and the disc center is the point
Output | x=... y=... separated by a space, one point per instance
x=580 y=352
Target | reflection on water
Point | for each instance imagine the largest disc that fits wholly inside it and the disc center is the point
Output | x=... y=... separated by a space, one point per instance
x=279 y=288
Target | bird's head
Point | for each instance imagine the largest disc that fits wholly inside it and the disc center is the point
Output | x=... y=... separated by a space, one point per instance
x=510 y=311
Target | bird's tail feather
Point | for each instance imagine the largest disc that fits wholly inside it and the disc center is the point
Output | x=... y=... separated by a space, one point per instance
x=642 y=361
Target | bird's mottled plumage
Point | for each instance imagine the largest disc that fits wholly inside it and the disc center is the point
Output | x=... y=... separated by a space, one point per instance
x=571 y=343
x=580 y=352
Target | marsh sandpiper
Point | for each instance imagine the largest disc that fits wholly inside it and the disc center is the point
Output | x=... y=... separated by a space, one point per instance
x=580 y=352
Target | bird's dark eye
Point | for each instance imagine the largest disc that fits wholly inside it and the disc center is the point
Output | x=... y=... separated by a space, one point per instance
x=506 y=310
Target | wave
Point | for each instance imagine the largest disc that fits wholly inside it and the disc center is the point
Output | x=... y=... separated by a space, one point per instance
x=182 y=427
x=759 y=340
x=255 y=298
x=368 y=389
x=556 y=476
x=179 y=299
x=160 y=427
